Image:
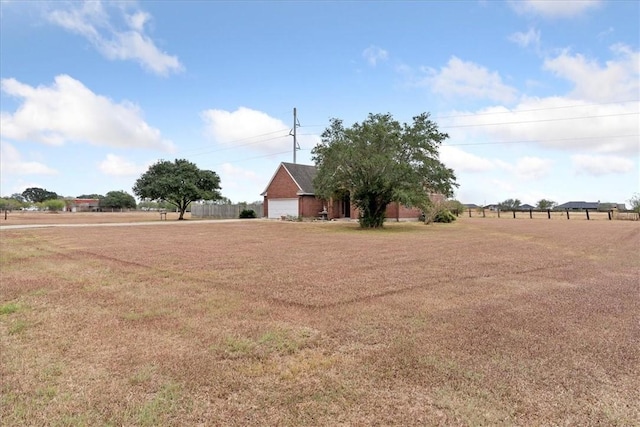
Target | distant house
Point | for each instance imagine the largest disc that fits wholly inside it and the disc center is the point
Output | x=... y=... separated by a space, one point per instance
x=83 y=205
x=578 y=206
x=526 y=207
x=290 y=193
x=471 y=206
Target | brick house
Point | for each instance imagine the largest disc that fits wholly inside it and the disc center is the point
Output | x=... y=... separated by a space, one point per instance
x=290 y=192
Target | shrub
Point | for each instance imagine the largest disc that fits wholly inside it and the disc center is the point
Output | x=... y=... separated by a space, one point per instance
x=444 y=215
x=438 y=212
x=248 y=213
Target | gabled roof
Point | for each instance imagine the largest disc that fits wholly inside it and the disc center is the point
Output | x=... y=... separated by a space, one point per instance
x=578 y=205
x=526 y=206
x=302 y=176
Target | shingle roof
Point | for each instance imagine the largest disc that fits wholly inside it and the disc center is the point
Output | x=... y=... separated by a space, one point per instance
x=303 y=176
x=578 y=205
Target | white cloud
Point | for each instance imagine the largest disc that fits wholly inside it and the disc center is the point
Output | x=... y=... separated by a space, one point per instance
x=467 y=79
x=244 y=184
x=531 y=37
x=92 y=21
x=68 y=111
x=374 y=54
x=119 y=166
x=617 y=80
x=600 y=165
x=554 y=8
x=235 y=172
x=252 y=128
x=528 y=168
x=462 y=161
x=553 y=122
x=11 y=162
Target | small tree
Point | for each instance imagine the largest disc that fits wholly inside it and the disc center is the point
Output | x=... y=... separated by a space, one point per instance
x=544 y=204
x=635 y=203
x=54 y=205
x=9 y=204
x=509 y=205
x=179 y=183
x=380 y=161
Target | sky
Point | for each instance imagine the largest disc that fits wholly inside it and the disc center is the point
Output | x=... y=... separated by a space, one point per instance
x=540 y=99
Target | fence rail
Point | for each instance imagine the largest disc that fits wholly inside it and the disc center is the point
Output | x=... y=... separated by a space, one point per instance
x=223 y=211
x=552 y=214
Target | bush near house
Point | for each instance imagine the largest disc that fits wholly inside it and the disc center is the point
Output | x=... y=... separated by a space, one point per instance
x=248 y=213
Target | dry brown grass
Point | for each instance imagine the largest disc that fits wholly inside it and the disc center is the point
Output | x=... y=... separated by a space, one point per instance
x=40 y=218
x=480 y=322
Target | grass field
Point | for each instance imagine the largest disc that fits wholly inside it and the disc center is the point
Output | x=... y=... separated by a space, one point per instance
x=479 y=322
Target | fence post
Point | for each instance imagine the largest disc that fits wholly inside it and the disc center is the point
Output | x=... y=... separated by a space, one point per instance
x=608 y=214
x=567 y=213
x=483 y=216
x=530 y=213
x=514 y=214
x=498 y=212
x=587 y=211
x=469 y=212
x=549 y=213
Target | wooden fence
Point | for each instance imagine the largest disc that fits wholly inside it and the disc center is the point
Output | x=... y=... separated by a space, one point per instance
x=223 y=211
x=552 y=214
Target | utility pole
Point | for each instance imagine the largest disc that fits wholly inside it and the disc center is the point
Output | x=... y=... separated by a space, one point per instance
x=295 y=140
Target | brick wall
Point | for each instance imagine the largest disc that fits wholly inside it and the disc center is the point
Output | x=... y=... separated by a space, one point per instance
x=281 y=187
x=310 y=206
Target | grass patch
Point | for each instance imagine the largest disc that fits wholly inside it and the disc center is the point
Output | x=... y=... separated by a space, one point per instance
x=157 y=410
x=267 y=323
x=17 y=327
x=9 y=308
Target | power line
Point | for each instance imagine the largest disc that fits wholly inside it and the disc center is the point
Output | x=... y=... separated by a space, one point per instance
x=257 y=157
x=540 y=120
x=243 y=139
x=455 y=116
x=236 y=146
x=540 y=140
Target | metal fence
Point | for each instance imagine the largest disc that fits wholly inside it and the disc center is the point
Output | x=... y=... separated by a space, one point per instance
x=223 y=211
x=551 y=214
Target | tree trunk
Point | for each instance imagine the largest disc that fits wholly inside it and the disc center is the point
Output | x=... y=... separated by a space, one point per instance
x=372 y=214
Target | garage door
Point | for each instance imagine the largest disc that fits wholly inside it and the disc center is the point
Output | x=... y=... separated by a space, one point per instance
x=280 y=207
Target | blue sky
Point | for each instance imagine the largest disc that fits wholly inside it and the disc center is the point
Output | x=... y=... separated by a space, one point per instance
x=540 y=99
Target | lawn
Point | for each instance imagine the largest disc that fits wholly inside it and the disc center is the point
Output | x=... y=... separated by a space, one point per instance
x=479 y=322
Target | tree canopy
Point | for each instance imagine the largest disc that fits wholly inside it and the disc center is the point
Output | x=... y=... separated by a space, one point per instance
x=179 y=183
x=38 y=195
x=118 y=200
x=509 y=205
x=380 y=161
x=635 y=202
x=546 y=204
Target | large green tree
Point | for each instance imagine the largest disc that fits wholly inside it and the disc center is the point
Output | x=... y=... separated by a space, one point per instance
x=380 y=161
x=179 y=183
x=118 y=200
x=38 y=195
